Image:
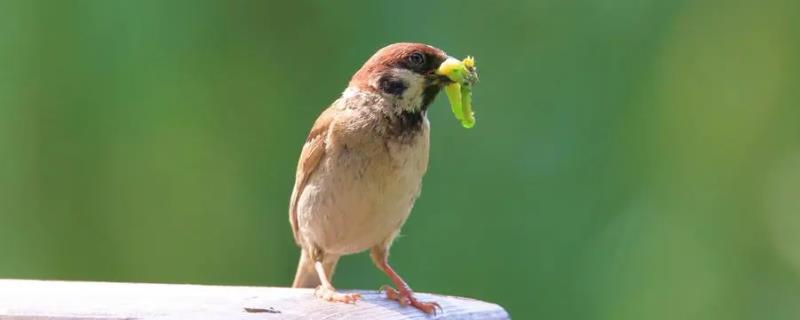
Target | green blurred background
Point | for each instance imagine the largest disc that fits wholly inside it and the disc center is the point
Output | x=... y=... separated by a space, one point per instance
x=631 y=160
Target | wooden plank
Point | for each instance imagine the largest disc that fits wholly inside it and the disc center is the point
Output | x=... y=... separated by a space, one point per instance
x=62 y=300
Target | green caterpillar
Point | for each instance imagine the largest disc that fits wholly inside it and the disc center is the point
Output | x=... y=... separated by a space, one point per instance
x=459 y=93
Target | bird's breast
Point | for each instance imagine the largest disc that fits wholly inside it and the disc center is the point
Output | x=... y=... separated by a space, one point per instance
x=365 y=188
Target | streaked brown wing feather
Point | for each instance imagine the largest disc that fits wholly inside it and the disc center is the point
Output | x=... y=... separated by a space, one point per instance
x=313 y=151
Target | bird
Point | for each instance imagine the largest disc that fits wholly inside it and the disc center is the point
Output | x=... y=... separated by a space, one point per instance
x=361 y=168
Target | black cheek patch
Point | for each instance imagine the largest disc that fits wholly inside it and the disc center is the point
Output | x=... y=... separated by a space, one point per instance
x=392 y=85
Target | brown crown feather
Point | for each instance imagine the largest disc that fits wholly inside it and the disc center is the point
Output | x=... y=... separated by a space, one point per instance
x=390 y=56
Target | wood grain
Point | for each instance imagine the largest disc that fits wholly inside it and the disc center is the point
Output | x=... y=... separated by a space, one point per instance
x=61 y=300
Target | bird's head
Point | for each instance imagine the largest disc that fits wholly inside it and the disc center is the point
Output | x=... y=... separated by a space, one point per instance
x=408 y=74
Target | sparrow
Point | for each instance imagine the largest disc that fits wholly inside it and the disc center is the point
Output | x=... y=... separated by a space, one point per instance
x=361 y=167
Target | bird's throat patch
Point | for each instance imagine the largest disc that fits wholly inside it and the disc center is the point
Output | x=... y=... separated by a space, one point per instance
x=429 y=95
x=405 y=125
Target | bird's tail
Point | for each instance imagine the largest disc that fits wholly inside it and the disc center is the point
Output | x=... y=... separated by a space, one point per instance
x=306 y=276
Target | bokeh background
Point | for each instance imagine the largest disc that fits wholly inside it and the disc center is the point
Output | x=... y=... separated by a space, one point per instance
x=632 y=159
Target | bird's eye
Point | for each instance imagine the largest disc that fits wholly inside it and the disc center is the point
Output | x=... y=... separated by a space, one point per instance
x=416 y=59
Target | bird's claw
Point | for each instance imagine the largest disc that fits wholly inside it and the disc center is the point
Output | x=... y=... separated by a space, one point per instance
x=330 y=294
x=385 y=288
x=406 y=297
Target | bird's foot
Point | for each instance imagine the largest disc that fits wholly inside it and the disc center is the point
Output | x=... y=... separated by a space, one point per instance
x=330 y=294
x=406 y=297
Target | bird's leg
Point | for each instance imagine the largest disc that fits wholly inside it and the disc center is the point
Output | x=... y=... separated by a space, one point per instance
x=403 y=293
x=327 y=291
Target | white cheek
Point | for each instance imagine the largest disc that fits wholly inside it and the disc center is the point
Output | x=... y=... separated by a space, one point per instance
x=414 y=81
x=411 y=99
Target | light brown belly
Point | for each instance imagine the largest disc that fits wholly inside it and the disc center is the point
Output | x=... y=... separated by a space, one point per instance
x=360 y=197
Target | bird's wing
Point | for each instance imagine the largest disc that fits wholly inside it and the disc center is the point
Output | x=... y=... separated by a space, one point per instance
x=310 y=157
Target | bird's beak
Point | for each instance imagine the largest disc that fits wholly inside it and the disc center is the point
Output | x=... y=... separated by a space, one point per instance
x=462 y=75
